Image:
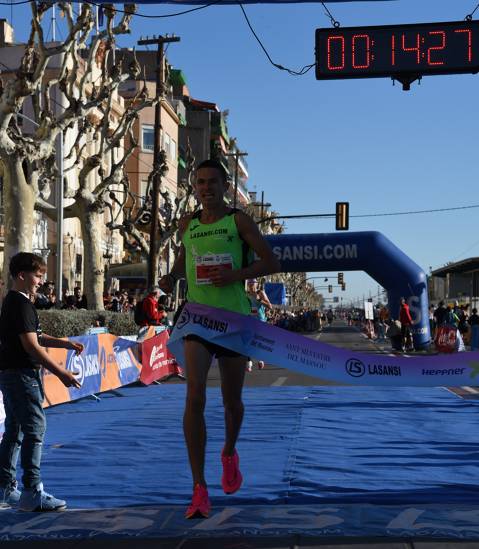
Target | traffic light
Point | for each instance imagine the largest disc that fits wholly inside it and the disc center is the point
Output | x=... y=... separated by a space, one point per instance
x=342 y=216
x=343 y=286
x=340 y=278
x=330 y=288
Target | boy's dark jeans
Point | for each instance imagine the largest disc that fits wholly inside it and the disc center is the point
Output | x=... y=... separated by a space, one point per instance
x=25 y=425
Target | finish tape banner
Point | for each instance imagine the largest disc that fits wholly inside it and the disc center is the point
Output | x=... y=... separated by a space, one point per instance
x=259 y=340
x=107 y=362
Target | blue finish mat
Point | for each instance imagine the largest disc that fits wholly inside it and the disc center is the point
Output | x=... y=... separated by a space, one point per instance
x=366 y=454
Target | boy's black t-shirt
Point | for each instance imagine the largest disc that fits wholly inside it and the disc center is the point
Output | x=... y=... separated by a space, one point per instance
x=18 y=316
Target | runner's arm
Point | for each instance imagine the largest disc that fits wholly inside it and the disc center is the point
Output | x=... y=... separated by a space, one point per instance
x=266 y=264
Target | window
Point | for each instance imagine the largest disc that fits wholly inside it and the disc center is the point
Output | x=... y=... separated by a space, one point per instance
x=166 y=144
x=143 y=187
x=147 y=138
x=173 y=150
x=78 y=263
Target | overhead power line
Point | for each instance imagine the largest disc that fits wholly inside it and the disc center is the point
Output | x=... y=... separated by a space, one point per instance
x=384 y=214
x=161 y=16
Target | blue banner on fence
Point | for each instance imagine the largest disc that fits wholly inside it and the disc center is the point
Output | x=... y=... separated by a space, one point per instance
x=276 y=293
x=261 y=341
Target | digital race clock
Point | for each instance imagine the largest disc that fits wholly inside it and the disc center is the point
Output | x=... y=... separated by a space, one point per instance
x=404 y=52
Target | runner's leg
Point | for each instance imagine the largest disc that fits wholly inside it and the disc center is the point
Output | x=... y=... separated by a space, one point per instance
x=198 y=360
x=232 y=371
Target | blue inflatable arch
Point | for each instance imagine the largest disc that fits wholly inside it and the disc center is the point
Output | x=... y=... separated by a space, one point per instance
x=371 y=252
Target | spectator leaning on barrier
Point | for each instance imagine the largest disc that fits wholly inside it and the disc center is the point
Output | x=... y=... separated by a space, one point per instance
x=21 y=358
x=227 y=234
x=151 y=314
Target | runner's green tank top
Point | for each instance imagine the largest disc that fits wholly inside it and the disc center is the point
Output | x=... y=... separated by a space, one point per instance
x=211 y=245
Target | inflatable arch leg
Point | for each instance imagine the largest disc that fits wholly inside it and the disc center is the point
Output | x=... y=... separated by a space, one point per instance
x=368 y=251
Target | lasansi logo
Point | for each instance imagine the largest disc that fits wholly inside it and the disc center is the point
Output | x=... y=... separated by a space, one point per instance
x=183 y=320
x=355 y=367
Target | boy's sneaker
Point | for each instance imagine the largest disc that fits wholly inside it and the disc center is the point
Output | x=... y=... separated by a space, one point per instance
x=249 y=365
x=260 y=365
x=37 y=500
x=200 y=503
x=232 y=478
x=10 y=496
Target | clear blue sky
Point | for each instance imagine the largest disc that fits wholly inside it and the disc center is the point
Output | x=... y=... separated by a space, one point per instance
x=313 y=143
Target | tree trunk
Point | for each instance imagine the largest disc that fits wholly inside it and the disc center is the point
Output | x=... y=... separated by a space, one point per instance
x=18 y=207
x=93 y=269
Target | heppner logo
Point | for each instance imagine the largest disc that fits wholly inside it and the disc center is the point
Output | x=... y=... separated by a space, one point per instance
x=356 y=368
x=210 y=323
x=85 y=365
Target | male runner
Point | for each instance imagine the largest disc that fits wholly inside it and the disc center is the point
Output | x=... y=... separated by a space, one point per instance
x=213 y=258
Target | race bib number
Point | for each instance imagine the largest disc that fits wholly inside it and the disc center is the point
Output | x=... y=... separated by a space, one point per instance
x=205 y=263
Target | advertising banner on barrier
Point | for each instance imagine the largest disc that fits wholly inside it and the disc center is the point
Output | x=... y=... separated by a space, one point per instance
x=259 y=340
x=108 y=362
x=446 y=339
x=157 y=360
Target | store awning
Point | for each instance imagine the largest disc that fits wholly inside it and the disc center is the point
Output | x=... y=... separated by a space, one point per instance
x=127 y=270
x=464 y=266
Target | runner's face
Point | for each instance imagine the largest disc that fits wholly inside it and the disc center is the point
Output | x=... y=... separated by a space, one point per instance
x=210 y=187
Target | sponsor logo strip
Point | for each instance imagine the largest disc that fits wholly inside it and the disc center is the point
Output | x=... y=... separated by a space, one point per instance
x=261 y=341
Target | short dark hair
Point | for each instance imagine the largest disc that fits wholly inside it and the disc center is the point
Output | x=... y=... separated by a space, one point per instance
x=26 y=262
x=212 y=163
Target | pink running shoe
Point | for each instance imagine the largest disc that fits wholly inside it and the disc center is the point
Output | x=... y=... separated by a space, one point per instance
x=232 y=477
x=260 y=365
x=200 y=503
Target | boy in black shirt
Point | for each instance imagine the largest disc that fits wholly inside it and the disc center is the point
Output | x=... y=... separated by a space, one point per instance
x=21 y=358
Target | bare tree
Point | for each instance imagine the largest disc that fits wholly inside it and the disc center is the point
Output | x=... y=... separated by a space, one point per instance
x=137 y=216
x=87 y=84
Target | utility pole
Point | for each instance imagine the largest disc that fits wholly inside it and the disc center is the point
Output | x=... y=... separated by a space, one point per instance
x=237 y=155
x=153 y=257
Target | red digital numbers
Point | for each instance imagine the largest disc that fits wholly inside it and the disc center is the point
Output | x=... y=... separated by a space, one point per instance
x=365 y=38
x=469 y=41
x=409 y=49
x=342 y=46
x=416 y=48
x=337 y=52
x=442 y=36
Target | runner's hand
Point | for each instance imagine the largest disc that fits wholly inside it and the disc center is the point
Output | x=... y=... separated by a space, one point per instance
x=68 y=379
x=221 y=276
